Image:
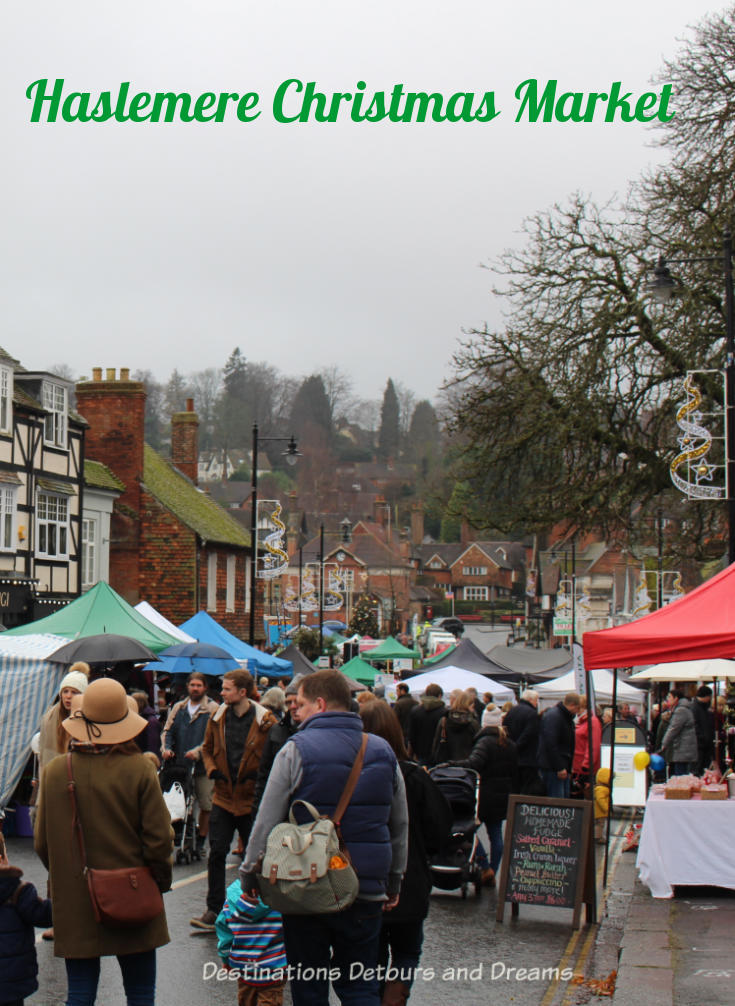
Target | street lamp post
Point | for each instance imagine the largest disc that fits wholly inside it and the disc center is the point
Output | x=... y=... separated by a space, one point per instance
x=662 y=288
x=291 y=454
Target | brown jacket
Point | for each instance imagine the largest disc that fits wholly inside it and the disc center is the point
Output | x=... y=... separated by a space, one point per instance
x=238 y=800
x=124 y=822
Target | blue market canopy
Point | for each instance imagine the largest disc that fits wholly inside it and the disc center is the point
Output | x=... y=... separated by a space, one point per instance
x=204 y=628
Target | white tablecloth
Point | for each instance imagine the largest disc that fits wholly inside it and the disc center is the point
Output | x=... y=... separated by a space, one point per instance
x=687 y=842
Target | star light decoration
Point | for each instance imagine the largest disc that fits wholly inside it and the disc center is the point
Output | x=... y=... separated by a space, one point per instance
x=695 y=443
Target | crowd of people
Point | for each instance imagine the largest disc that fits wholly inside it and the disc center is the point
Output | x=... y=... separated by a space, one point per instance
x=106 y=758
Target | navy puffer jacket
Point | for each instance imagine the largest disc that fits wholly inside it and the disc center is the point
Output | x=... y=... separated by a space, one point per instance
x=328 y=744
x=20 y=910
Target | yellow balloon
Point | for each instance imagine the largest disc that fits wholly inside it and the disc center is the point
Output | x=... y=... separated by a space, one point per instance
x=641 y=760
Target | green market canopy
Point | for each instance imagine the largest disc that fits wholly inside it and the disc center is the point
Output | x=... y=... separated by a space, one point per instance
x=390 y=649
x=359 y=671
x=100 y=610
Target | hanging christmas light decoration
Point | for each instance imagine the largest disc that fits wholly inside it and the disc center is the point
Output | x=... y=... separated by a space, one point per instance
x=275 y=560
x=695 y=444
x=643 y=599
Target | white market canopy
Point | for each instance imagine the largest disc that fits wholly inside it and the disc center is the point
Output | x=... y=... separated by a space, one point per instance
x=688 y=670
x=457 y=677
x=602 y=682
x=161 y=622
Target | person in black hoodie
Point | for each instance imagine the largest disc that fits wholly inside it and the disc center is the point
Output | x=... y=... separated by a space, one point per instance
x=495 y=757
x=278 y=734
x=429 y=827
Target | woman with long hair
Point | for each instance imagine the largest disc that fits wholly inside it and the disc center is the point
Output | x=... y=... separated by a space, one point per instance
x=54 y=739
x=429 y=825
x=456 y=730
x=124 y=822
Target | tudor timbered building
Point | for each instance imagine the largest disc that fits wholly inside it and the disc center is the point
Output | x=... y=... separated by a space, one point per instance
x=41 y=480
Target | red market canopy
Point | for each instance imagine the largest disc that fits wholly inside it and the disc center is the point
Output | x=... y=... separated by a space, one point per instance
x=697 y=626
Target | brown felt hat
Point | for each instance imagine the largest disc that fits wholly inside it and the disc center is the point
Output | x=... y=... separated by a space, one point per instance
x=103 y=715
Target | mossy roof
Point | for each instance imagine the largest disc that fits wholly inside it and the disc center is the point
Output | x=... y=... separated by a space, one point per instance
x=99 y=476
x=193 y=508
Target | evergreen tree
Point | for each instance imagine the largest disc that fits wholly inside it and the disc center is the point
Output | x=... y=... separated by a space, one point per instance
x=364 y=619
x=389 y=435
x=235 y=423
x=311 y=414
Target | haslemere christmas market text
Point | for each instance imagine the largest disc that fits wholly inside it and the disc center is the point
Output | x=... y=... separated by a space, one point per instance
x=296 y=101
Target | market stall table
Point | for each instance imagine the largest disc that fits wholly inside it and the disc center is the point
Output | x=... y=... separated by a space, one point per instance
x=686 y=842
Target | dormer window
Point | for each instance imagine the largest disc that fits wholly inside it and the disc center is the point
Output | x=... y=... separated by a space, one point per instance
x=6 y=400
x=54 y=401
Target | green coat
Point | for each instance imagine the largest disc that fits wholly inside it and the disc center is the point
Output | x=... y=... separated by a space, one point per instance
x=125 y=822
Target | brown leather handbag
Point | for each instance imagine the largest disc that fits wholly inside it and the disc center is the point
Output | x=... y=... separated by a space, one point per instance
x=123 y=898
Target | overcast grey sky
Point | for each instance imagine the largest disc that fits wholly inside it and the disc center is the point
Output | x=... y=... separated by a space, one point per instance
x=162 y=246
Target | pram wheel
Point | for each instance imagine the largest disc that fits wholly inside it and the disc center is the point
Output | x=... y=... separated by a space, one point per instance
x=464 y=891
x=478 y=888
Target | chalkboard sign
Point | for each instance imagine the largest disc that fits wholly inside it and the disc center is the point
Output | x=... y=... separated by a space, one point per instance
x=547 y=859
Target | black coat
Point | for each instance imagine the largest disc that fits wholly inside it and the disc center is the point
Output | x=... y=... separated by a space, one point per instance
x=523 y=724
x=278 y=734
x=498 y=767
x=422 y=727
x=20 y=910
x=704 y=725
x=556 y=739
x=429 y=827
x=454 y=736
x=403 y=707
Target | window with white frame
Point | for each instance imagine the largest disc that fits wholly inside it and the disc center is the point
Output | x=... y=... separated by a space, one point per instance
x=6 y=399
x=54 y=401
x=90 y=575
x=212 y=582
x=474 y=571
x=8 y=499
x=52 y=525
x=230 y=596
x=435 y=564
x=475 y=593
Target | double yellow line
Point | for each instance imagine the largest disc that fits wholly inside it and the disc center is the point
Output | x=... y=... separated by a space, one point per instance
x=568 y=957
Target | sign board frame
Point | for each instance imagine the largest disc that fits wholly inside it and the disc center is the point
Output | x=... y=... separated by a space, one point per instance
x=584 y=882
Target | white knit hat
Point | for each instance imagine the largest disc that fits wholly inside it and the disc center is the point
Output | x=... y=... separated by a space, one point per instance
x=492 y=717
x=76 y=680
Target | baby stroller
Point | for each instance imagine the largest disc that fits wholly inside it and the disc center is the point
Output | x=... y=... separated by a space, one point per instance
x=456 y=865
x=177 y=784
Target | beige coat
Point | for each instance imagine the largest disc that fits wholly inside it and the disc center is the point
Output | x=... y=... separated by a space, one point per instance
x=49 y=737
x=125 y=822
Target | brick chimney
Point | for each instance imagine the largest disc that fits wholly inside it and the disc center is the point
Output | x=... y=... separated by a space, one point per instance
x=185 y=441
x=380 y=510
x=417 y=523
x=115 y=411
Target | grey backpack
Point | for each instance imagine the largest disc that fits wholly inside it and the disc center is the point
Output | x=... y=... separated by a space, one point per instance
x=306 y=868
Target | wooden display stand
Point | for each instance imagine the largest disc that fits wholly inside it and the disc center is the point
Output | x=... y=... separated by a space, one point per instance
x=549 y=856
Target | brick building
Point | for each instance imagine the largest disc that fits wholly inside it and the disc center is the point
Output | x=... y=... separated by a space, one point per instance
x=171 y=544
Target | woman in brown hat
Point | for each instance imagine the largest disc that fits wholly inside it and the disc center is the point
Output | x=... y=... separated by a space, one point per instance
x=124 y=822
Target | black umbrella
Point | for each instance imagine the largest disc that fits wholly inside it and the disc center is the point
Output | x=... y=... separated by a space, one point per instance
x=105 y=648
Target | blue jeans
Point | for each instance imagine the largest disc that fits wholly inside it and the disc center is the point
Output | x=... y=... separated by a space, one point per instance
x=345 y=944
x=138 y=975
x=495 y=834
x=556 y=788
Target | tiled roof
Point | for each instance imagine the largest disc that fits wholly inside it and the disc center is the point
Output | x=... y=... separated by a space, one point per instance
x=193 y=508
x=99 y=476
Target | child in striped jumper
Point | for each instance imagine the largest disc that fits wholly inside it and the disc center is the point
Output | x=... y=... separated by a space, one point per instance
x=250 y=941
